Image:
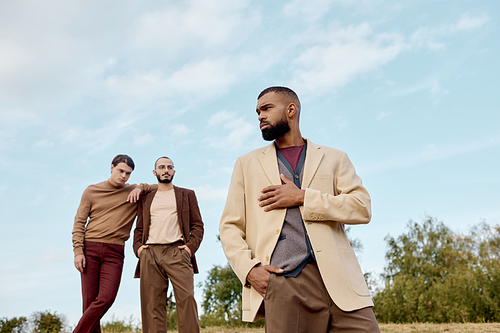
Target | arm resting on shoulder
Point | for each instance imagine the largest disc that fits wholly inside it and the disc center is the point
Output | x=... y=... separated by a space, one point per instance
x=138 y=231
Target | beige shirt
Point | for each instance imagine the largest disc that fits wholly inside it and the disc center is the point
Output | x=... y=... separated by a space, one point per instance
x=164 y=228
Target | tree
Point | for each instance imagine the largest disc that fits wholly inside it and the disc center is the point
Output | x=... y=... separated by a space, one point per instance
x=221 y=298
x=435 y=275
x=171 y=312
x=222 y=295
x=46 y=322
x=13 y=325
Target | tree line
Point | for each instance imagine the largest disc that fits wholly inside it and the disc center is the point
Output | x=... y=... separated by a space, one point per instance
x=436 y=275
x=432 y=274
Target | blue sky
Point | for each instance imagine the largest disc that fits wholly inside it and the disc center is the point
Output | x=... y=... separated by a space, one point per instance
x=409 y=90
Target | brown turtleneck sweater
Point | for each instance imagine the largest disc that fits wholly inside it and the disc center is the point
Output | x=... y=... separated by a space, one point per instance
x=109 y=215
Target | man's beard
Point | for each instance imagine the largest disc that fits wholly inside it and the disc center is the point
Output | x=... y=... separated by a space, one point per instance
x=166 y=180
x=273 y=132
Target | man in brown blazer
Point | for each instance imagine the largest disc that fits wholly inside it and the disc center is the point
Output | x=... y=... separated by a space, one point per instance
x=282 y=228
x=169 y=230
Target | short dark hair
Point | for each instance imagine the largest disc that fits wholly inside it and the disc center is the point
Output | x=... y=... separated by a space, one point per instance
x=163 y=157
x=287 y=92
x=123 y=159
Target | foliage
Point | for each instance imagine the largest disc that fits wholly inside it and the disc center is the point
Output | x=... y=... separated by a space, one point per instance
x=222 y=295
x=355 y=243
x=435 y=275
x=120 y=326
x=222 y=299
x=171 y=313
x=46 y=322
x=14 y=325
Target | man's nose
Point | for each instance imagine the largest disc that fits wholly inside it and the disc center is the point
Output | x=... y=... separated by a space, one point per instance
x=261 y=117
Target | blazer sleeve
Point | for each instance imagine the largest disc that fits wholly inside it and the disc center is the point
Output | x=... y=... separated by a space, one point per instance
x=349 y=204
x=232 y=227
x=195 y=224
x=138 y=231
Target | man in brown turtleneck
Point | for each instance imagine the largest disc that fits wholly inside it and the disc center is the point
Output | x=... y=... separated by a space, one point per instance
x=102 y=225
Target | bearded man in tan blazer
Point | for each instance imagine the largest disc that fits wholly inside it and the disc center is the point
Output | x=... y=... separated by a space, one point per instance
x=282 y=228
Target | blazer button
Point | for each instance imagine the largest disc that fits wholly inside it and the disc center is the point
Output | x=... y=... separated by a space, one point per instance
x=277 y=231
x=267 y=258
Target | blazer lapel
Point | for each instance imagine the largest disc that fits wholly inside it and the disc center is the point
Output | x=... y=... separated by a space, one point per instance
x=178 y=203
x=314 y=155
x=269 y=164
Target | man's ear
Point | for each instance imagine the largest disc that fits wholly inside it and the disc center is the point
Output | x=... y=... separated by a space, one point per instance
x=291 y=110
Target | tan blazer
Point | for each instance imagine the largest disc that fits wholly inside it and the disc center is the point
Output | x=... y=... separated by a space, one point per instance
x=334 y=196
x=188 y=216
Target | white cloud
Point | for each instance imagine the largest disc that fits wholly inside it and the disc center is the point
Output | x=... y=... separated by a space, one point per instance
x=206 y=78
x=142 y=140
x=437 y=90
x=312 y=10
x=209 y=193
x=469 y=23
x=340 y=123
x=232 y=132
x=194 y=27
x=382 y=115
x=428 y=37
x=44 y=144
x=340 y=55
x=179 y=130
x=431 y=153
x=101 y=138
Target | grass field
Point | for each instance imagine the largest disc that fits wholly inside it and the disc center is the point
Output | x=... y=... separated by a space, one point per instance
x=387 y=328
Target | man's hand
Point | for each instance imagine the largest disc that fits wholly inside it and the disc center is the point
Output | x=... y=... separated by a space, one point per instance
x=134 y=195
x=259 y=276
x=281 y=196
x=184 y=247
x=80 y=262
x=139 y=250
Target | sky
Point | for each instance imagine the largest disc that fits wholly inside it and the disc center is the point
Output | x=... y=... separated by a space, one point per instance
x=409 y=89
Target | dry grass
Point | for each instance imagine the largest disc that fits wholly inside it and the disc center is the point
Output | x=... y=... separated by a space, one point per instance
x=436 y=328
x=386 y=328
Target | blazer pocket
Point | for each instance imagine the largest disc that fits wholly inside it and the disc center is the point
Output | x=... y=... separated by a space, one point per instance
x=323 y=182
x=354 y=272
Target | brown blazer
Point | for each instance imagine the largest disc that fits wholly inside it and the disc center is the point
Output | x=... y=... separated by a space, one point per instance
x=189 y=219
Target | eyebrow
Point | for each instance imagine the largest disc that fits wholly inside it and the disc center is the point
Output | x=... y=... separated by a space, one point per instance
x=262 y=106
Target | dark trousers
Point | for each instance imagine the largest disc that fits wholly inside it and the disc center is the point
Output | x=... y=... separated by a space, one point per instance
x=100 y=282
x=159 y=264
x=302 y=304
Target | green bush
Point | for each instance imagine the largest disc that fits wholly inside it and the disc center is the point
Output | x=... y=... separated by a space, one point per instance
x=46 y=322
x=222 y=300
x=171 y=313
x=120 y=326
x=14 y=325
x=439 y=276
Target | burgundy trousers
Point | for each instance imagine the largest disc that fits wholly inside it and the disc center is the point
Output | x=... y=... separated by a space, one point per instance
x=100 y=281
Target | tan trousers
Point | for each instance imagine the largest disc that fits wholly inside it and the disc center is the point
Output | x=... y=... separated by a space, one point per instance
x=159 y=264
x=302 y=304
